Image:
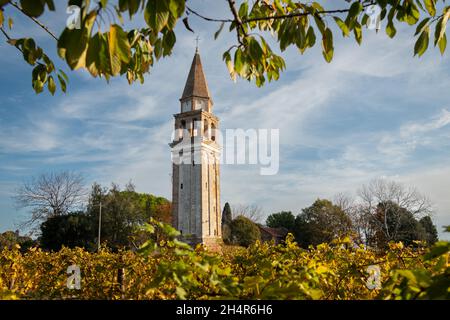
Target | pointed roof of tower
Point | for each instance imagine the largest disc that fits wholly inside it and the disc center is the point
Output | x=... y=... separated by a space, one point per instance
x=196 y=85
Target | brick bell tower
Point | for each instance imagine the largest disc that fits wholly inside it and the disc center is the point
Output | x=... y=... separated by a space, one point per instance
x=196 y=210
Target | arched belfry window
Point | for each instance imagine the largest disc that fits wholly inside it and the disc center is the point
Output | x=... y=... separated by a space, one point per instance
x=194 y=127
x=213 y=132
x=182 y=129
x=206 y=129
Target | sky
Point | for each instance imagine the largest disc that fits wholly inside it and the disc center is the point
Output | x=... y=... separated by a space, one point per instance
x=374 y=112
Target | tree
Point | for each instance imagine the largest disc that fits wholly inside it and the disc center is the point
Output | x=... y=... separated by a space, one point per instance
x=227 y=218
x=393 y=198
x=321 y=222
x=9 y=239
x=397 y=221
x=50 y=195
x=252 y=212
x=244 y=232
x=117 y=49
x=123 y=212
x=283 y=219
x=403 y=225
x=431 y=234
x=72 y=230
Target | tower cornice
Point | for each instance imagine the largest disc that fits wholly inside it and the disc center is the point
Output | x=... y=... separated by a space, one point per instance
x=196 y=113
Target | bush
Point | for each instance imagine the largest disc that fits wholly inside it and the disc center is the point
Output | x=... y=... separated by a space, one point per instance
x=71 y=230
x=244 y=232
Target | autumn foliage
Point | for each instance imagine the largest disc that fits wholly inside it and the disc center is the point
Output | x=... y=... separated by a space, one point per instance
x=169 y=269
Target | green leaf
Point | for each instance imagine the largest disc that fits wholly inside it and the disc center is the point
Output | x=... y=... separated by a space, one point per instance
x=441 y=26
x=181 y=293
x=439 y=248
x=49 y=64
x=156 y=14
x=50 y=5
x=238 y=61
x=93 y=55
x=133 y=7
x=311 y=37
x=390 y=29
x=62 y=83
x=430 y=6
x=230 y=66
x=442 y=44
x=157 y=46
x=63 y=74
x=217 y=33
x=413 y=14
x=354 y=10
x=255 y=49
x=327 y=45
x=149 y=228
x=279 y=7
x=72 y=44
x=341 y=24
x=243 y=9
x=38 y=86
x=51 y=85
x=33 y=8
x=169 y=231
x=169 y=40
x=358 y=33
x=319 y=22
x=422 y=42
x=119 y=48
x=177 y=7
x=421 y=25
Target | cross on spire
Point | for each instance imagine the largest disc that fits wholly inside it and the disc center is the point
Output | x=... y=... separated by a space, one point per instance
x=196 y=43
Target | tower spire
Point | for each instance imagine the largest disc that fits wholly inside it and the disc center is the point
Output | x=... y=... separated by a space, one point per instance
x=196 y=85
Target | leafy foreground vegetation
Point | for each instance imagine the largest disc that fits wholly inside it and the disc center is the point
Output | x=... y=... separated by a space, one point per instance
x=169 y=269
x=126 y=37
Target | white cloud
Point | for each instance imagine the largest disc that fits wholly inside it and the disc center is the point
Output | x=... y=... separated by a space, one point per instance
x=38 y=135
x=438 y=122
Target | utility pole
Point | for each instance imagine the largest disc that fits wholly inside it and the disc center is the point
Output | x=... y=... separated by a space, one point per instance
x=99 y=227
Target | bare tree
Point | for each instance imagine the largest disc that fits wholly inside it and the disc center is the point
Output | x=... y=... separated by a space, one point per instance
x=252 y=212
x=381 y=200
x=345 y=201
x=50 y=195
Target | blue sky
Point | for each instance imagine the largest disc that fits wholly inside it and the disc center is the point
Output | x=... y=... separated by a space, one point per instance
x=375 y=111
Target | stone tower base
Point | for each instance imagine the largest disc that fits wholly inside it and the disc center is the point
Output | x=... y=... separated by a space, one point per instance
x=210 y=243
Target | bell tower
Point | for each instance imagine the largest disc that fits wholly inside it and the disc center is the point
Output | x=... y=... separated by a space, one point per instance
x=195 y=170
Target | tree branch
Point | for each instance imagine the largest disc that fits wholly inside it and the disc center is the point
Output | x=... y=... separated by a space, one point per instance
x=15 y=5
x=284 y=16
x=206 y=18
x=302 y=14
x=9 y=39
x=237 y=19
